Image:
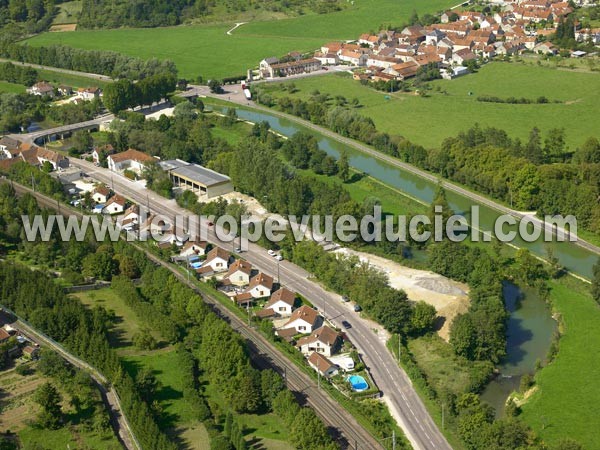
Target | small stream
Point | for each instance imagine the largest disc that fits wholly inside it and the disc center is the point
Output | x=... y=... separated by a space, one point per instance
x=530 y=329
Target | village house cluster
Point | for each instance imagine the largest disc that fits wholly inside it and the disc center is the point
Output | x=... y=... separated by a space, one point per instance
x=13 y=151
x=45 y=89
x=326 y=349
x=458 y=38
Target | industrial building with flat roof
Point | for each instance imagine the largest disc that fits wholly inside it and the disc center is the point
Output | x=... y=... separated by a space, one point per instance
x=197 y=178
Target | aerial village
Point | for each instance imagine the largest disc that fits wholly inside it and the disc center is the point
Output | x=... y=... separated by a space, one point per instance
x=460 y=39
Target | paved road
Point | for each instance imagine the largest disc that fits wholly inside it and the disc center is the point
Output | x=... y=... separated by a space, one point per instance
x=236 y=97
x=404 y=402
x=350 y=433
x=93 y=76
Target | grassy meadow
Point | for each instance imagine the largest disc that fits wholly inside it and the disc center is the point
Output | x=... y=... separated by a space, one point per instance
x=566 y=401
x=452 y=105
x=208 y=51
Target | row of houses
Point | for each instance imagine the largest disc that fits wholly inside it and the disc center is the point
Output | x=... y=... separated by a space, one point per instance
x=45 y=89
x=13 y=151
x=247 y=287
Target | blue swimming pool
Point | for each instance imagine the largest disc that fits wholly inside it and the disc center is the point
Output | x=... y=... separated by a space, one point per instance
x=358 y=383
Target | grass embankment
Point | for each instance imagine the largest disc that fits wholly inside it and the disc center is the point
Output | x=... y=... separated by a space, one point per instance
x=429 y=120
x=566 y=401
x=68 y=12
x=207 y=50
x=75 y=81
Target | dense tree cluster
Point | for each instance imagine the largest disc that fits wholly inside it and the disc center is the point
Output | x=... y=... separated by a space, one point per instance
x=103 y=62
x=479 y=334
x=19 y=110
x=31 y=16
x=18 y=74
x=125 y=94
x=157 y=13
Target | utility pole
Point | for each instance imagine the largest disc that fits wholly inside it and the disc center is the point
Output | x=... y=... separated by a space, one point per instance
x=442 y=416
x=393 y=439
x=399 y=346
x=278 y=277
x=318 y=376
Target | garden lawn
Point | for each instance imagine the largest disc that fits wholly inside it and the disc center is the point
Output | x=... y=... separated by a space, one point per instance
x=429 y=120
x=12 y=88
x=206 y=49
x=567 y=397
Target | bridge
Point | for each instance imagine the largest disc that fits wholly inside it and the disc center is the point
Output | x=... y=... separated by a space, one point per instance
x=41 y=136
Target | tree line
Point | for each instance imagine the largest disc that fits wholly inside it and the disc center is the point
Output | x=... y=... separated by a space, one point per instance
x=18 y=74
x=112 y=64
x=125 y=94
x=160 y=13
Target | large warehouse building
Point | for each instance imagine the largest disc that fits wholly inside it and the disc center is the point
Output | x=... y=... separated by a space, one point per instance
x=196 y=178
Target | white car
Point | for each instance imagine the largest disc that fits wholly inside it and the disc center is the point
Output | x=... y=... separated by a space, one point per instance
x=271 y=252
x=279 y=258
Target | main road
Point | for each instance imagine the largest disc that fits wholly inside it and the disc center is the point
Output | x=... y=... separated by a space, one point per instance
x=398 y=392
x=351 y=433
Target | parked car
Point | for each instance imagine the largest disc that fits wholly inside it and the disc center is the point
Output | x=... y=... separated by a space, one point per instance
x=357 y=308
x=279 y=258
x=238 y=250
x=271 y=252
x=346 y=324
x=345 y=299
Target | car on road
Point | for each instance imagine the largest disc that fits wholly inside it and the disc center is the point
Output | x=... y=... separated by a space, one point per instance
x=347 y=325
x=210 y=224
x=357 y=308
x=271 y=252
x=238 y=250
x=279 y=258
x=345 y=298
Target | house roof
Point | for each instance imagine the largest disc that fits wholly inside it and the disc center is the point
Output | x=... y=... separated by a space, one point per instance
x=43 y=86
x=323 y=334
x=28 y=350
x=102 y=190
x=218 y=252
x=6 y=164
x=261 y=280
x=9 y=143
x=241 y=265
x=320 y=362
x=204 y=270
x=305 y=313
x=119 y=200
x=131 y=155
x=49 y=155
x=200 y=175
x=286 y=333
x=283 y=295
x=265 y=312
x=4 y=335
x=293 y=64
x=30 y=156
x=244 y=297
x=190 y=244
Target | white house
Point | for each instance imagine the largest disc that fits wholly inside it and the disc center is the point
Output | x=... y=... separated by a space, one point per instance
x=131 y=159
x=323 y=340
x=239 y=273
x=115 y=205
x=57 y=160
x=88 y=93
x=101 y=194
x=304 y=320
x=354 y=58
x=9 y=148
x=193 y=248
x=217 y=259
x=322 y=365
x=42 y=89
x=282 y=302
x=100 y=153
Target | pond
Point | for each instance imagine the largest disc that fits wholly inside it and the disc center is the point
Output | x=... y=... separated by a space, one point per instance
x=530 y=330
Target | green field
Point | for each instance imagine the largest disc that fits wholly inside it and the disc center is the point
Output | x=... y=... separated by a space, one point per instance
x=206 y=49
x=68 y=12
x=74 y=81
x=444 y=113
x=567 y=399
x=6 y=87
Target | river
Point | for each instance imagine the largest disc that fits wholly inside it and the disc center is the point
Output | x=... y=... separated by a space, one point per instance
x=529 y=334
x=576 y=259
